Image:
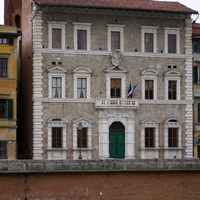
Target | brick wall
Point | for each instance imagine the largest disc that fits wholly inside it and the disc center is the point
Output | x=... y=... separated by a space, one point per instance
x=102 y=185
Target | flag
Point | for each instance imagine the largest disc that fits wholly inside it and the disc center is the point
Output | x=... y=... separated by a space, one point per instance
x=130 y=91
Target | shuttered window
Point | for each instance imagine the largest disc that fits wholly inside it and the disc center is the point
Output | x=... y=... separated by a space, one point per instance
x=196 y=74
x=198 y=109
x=82 y=39
x=115 y=40
x=3 y=149
x=6 y=108
x=172 y=43
x=148 y=89
x=82 y=138
x=115 y=89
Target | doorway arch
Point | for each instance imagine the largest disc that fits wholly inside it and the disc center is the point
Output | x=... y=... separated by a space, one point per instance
x=117 y=140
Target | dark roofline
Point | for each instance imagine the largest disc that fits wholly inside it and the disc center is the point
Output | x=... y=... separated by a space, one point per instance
x=115 y=8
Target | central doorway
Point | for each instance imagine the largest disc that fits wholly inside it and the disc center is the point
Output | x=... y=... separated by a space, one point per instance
x=117 y=140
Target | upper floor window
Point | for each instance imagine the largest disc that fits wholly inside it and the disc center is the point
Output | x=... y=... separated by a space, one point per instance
x=3 y=149
x=149 y=39
x=115 y=83
x=196 y=74
x=56 y=31
x=149 y=84
x=172 y=89
x=172 y=43
x=115 y=88
x=56 y=38
x=172 y=40
x=6 y=108
x=115 y=40
x=3 y=67
x=115 y=37
x=82 y=36
x=172 y=85
x=81 y=87
x=148 y=89
x=3 y=40
x=196 y=48
x=82 y=77
x=56 y=82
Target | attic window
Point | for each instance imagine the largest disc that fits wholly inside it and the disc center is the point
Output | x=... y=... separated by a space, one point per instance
x=53 y=63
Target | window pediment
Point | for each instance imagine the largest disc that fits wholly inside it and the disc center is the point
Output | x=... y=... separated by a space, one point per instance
x=114 y=69
x=172 y=73
x=148 y=120
x=149 y=72
x=173 y=120
x=56 y=119
x=82 y=70
x=56 y=69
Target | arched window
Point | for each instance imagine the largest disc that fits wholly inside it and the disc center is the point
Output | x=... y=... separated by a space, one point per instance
x=17 y=21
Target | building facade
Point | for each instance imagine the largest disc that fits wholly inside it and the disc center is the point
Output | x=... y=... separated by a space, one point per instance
x=8 y=92
x=86 y=56
x=196 y=77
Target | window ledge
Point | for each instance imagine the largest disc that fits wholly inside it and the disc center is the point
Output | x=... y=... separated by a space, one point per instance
x=57 y=149
x=83 y=149
x=172 y=148
x=150 y=148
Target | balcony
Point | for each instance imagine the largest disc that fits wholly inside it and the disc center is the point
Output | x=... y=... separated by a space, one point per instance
x=116 y=103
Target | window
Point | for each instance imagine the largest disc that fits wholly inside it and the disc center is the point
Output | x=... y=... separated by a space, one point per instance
x=172 y=89
x=149 y=39
x=196 y=48
x=3 y=67
x=172 y=85
x=196 y=75
x=115 y=40
x=148 y=42
x=82 y=36
x=172 y=40
x=56 y=87
x=198 y=110
x=149 y=137
x=148 y=89
x=82 y=39
x=115 y=89
x=3 y=40
x=56 y=137
x=81 y=88
x=56 y=81
x=173 y=137
x=171 y=43
x=3 y=149
x=56 y=38
x=17 y=21
x=82 y=138
x=6 y=108
x=115 y=37
x=149 y=84
x=56 y=31
x=82 y=77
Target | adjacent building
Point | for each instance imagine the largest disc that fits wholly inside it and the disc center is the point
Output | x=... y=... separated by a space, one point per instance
x=8 y=91
x=196 y=74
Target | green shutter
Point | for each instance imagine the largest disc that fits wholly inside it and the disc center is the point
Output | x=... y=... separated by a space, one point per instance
x=11 y=41
x=10 y=108
x=195 y=74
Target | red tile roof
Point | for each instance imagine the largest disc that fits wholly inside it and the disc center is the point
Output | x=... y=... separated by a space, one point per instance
x=196 y=29
x=141 y=5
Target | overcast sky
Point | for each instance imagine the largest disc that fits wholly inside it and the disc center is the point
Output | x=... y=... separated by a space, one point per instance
x=194 y=4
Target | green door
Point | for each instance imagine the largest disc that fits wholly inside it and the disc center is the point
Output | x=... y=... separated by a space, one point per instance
x=116 y=145
x=117 y=141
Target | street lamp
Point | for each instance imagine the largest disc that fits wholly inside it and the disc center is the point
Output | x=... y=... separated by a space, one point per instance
x=80 y=126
